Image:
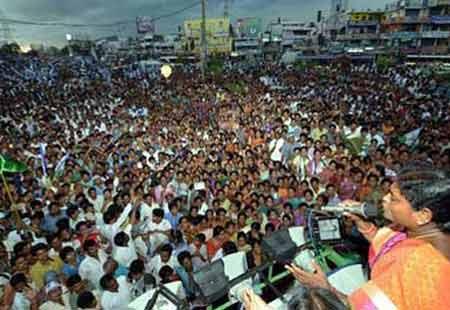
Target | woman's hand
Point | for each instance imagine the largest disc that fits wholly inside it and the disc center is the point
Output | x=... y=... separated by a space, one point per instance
x=253 y=301
x=366 y=228
x=318 y=279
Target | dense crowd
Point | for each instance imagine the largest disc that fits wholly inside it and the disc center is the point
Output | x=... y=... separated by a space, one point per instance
x=134 y=182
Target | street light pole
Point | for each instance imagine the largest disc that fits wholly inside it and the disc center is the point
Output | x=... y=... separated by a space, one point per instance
x=203 y=54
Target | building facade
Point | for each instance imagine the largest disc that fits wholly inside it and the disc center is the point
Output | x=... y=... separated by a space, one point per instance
x=418 y=26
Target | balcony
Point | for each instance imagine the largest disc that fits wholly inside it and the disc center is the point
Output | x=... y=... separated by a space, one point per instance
x=366 y=23
x=406 y=20
x=440 y=19
x=435 y=34
x=433 y=3
x=250 y=43
x=400 y=35
x=414 y=4
x=357 y=36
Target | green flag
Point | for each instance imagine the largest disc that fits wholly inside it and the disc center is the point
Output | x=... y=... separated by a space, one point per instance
x=411 y=138
x=354 y=144
x=7 y=164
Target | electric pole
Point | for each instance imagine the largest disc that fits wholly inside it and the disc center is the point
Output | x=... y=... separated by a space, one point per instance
x=203 y=54
x=226 y=8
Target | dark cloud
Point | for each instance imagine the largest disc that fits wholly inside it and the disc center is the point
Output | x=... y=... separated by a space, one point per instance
x=107 y=11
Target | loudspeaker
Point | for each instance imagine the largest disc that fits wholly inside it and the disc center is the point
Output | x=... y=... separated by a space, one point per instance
x=280 y=246
x=212 y=281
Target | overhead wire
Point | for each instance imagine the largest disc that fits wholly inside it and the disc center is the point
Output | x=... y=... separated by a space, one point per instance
x=90 y=25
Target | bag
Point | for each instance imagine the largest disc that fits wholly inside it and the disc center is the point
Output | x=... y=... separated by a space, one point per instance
x=279 y=246
x=212 y=281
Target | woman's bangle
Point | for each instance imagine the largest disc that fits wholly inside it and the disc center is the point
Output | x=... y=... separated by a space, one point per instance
x=368 y=231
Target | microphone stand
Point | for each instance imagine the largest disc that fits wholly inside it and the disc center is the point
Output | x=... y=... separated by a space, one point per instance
x=164 y=291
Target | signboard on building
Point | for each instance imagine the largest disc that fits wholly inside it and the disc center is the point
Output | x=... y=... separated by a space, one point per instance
x=250 y=27
x=218 y=37
x=440 y=19
x=145 y=24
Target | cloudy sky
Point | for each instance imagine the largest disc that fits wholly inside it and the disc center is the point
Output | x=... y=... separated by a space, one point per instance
x=110 y=11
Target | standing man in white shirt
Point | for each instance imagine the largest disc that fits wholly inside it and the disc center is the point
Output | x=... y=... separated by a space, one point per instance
x=116 y=293
x=158 y=228
x=113 y=221
x=91 y=268
x=164 y=258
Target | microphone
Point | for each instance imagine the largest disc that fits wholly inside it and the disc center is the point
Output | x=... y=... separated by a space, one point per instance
x=366 y=210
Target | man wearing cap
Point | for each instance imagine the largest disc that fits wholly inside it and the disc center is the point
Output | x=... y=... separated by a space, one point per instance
x=55 y=300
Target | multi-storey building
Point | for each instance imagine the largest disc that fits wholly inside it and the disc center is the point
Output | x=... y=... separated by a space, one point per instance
x=418 y=26
x=293 y=35
x=362 y=28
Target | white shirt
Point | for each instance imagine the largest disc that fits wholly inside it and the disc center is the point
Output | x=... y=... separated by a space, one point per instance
x=20 y=302
x=91 y=269
x=117 y=300
x=110 y=230
x=156 y=264
x=147 y=211
x=275 y=148
x=125 y=255
x=156 y=239
x=97 y=202
x=50 y=305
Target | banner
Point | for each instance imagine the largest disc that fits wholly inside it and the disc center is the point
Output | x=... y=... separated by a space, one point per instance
x=145 y=24
x=250 y=27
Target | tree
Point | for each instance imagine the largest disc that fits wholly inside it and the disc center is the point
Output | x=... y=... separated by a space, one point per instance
x=384 y=63
x=11 y=49
x=65 y=51
x=215 y=66
x=53 y=50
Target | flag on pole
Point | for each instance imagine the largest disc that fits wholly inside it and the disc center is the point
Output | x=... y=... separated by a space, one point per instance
x=59 y=169
x=8 y=164
x=42 y=153
x=411 y=138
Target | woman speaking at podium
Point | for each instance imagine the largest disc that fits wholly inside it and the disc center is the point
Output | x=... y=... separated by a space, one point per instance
x=409 y=259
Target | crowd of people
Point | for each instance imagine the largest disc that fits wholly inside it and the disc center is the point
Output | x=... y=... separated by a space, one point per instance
x=133 y=182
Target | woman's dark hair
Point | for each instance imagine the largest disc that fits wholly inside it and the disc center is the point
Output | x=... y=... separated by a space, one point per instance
x=164 y=273
x=86 y=300
x=39 y=247
x=166 y=248
x=255 y=226
x=427 y=187
x=65 y=251
x=20 y=247
x=240 y=235
x=120 y=239
x=269 y=226
x=217 y=231
x=314 y=299
x=137 y=266
x=201 y=237
x=182 y=256
x=255 y=242
x=17 y=279
x=158 y=213
x=73 y=280
x=229 y=248
x=105 y=281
